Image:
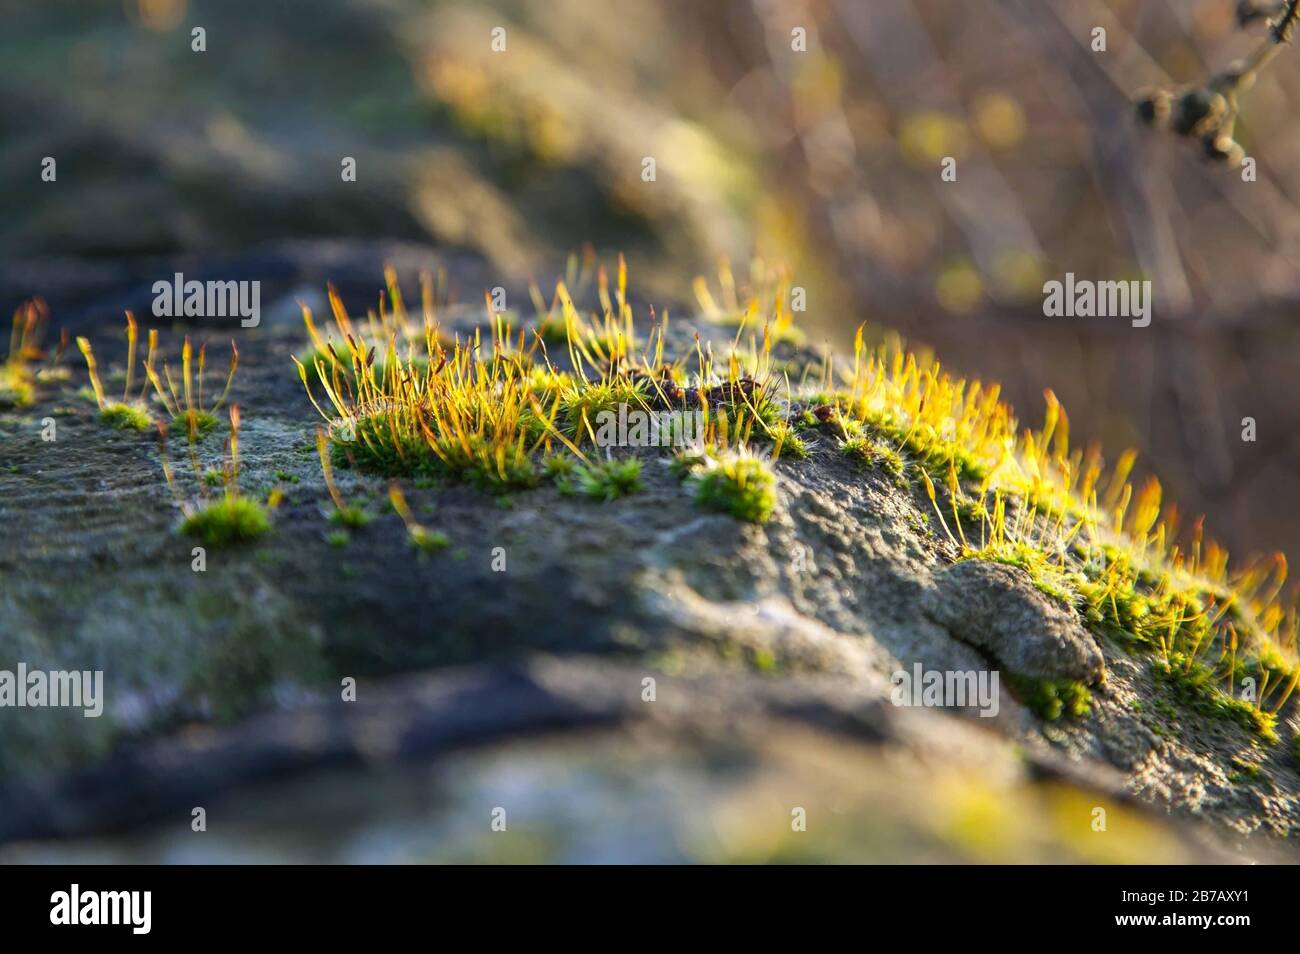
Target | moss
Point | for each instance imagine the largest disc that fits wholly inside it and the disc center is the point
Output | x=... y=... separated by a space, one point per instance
x=783 y=331
x=376 y=449
x=1244 y=771
x=213 y=478
x=338 y=538
x=971 y=512
x=874 y=455
x=16 y=388
x=310 y=356
x=1047 y=578
x=125 y=417
x=1193 y=684
x=585 y=401
x=786 y=441
x=1053 y=698
x=553 y=331
x=428 y=541
x=229 y=520
x=560 y=467
x=285 y=477
x=687 y=461
x=195 y=424
x=610 y=479
x=352 y=516
x=753 y=410
x=928 y=446
x=741 y=486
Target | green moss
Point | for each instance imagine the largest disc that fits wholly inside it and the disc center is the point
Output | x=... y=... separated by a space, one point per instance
x=1053 y=698
x=16 y=388
x=1244 y=771
x=754 y=410
x=928 y=447
x=338 y=538
x=309 y=356
x=610 y=479
x=1194 y=685
x=376 y=450
x=687 y=461
x=125 y=417
x=213 y=478
x=741 y=486
x=874 y=455
x=586 y=400
x=791 y=444
x=1048 y=579
x=553 y=331
x=971 y=512
x=194 y=424
x=428 y=541
x=352 y=516
x=560 y=467
x=228 y=520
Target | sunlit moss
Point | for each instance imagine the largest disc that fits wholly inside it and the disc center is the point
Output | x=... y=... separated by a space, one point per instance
x=610 y=479
x=125 y=417
x=227 y=520
x=739 y=485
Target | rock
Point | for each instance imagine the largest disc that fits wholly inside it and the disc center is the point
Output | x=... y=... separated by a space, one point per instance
x=772 y=647
x=997 y=608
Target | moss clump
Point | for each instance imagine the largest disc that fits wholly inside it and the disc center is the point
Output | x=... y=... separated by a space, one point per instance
x=125 y=417
x=875 y=455
x=338 y=538
x=552 y=331
x=1053 y=698
x=927 y=446
x=560 y=469
x=686 y=462
x=376 y=448
x=582 y=402
x=370 y=445
x=428 y=541
x=352 y=516
x=231 y=519
x=310 y=356
x=971 y=512
x=786 y=441
x=16 y=388
x=195 y=424
x=1243 y=771
x=1192 y=683
x=610 y=479
x=741 y=486
x=1048 y=579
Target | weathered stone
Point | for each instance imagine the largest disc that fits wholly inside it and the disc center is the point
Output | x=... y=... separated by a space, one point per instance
x=997 y=608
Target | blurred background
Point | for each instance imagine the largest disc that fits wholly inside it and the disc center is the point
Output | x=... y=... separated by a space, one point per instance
x=825 y=159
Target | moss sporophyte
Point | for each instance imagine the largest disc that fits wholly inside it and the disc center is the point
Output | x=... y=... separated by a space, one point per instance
x=185 y=407
x=21 y=369
x=492 y=409
x=228 y=518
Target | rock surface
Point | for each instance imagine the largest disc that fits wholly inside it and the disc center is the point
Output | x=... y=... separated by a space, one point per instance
x=771 y=649
x=996 y=608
